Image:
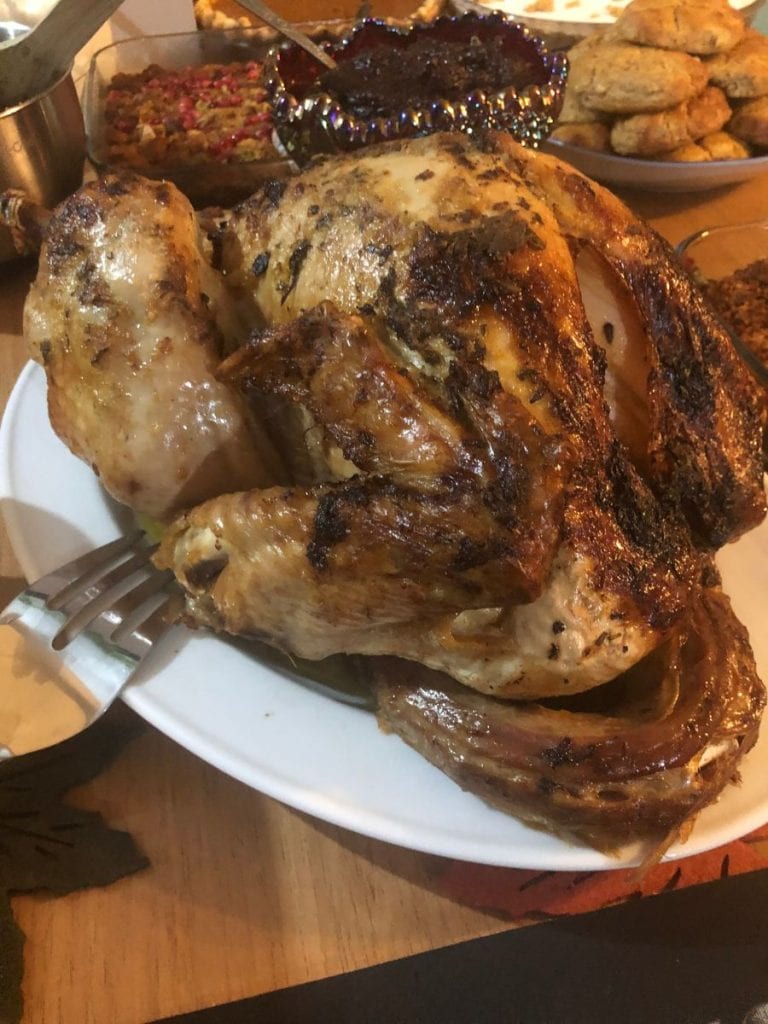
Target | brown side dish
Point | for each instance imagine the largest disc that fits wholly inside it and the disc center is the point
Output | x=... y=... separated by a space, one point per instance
x=210 y=112
x=741 y=299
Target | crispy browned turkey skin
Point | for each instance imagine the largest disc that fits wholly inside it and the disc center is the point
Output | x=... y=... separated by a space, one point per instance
x=514 y=435
x=125 y=317
x=635 y=758
x=508 y=491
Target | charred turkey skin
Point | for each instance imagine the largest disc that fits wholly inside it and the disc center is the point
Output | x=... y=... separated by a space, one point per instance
x=637 y=758
x=449 y=405
x=123 y=318
x=495 y=501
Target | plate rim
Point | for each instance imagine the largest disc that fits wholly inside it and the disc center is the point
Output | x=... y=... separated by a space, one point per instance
x=559 y=854
x=556 y=18
x=661 y=176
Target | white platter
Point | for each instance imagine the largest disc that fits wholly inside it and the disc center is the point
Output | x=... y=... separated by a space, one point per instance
x=281 y=738
x=576 y=12
x=657 y=176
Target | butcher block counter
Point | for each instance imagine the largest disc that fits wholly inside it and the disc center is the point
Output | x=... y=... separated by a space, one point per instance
x=242 y=895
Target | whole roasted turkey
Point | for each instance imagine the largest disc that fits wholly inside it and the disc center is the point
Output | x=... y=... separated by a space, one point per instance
x=446 y=401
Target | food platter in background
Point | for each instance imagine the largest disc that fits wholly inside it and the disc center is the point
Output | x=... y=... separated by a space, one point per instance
x=570 y=20
x=657 y=175
x=222 y=182
x=681 y=134
x=279 y=735
x=227 y=14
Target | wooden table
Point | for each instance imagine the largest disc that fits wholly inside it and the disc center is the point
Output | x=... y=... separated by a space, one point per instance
x=243 y=895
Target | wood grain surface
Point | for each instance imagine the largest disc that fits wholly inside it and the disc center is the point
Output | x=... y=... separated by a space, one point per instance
x=244 y=895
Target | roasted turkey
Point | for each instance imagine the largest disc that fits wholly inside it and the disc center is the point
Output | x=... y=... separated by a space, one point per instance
x=636 y=757
x=497 y=518
x=448 y=401
x=124 y=314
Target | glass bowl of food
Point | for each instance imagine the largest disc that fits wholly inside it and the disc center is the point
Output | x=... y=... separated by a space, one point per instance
x=565 y=22
x=730 y=265
x=463 y=73
x=189 y=107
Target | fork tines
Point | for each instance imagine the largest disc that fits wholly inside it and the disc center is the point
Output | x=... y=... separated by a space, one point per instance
x=114 y=592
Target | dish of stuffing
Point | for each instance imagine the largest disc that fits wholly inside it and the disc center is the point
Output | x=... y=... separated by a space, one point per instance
x=410 y=408
x=189 y=107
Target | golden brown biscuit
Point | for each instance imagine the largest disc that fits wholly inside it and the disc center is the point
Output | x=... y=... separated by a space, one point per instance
x=593 y=41
x=707 y=112
x=690 y=153
x=588 y=135
x=621 y=78
x=694 y=26
x=607 y=34
x=750 y=122
x=574 y=111
x=647 y=134
x=742 y=73
x=723 y=146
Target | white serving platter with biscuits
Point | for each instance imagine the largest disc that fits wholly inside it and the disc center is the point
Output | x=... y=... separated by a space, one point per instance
x=574 y=17
x=320 y=756
x=657 y=175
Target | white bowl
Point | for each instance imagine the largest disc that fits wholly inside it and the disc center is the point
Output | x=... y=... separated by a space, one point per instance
x=573 y=22
x=657 y=175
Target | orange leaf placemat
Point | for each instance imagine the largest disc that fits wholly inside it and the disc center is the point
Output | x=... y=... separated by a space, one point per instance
x=532 y=895
x=49 y=845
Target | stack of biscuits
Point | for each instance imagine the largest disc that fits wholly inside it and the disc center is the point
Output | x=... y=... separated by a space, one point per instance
x=680 y=80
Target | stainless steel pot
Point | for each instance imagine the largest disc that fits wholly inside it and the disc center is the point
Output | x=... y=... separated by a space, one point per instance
x=42 y=146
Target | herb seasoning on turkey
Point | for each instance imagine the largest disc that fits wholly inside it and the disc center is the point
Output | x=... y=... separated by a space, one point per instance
x=398 y=427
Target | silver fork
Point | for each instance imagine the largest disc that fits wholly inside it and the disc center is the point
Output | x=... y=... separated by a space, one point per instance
x=74 y=638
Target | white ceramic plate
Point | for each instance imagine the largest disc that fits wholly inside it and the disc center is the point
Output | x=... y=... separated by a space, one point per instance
x=591 y=12
x=657 y=176
x=310 y=752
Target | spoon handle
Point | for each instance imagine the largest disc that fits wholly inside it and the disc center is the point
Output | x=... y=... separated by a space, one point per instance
x=266 y=14
x=31 y=62
x=69 y=25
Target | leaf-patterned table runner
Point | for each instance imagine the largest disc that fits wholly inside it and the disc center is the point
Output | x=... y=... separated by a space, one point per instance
x=47 y=844
x=525 y=896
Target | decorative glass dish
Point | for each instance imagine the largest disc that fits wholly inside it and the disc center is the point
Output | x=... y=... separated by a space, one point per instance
x=176 y=106
x=730 y=263
x=463 y=73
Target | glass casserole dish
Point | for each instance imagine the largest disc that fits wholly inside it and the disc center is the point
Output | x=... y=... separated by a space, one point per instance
x=184 y=126
x=730 y=265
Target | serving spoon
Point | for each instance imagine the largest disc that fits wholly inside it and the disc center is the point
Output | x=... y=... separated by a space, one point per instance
x=261 y=10
x=31 y=63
